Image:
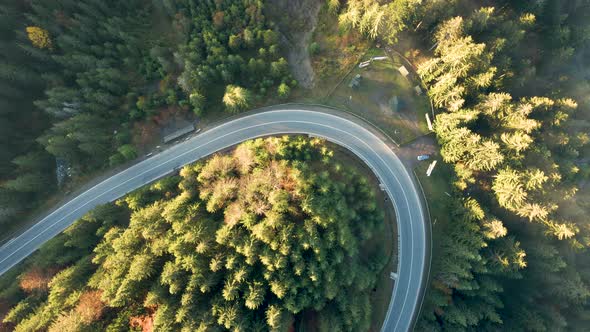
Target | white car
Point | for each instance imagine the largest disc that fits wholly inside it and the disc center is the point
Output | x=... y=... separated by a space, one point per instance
x=423 y=157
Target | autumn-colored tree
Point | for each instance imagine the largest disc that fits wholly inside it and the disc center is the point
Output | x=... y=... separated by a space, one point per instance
x=39 y=37
x=218 y=19
x=144 y=322
x=35 y=279
x=90 y=306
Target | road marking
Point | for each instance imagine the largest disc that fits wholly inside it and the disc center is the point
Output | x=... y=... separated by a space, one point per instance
x=7 y=243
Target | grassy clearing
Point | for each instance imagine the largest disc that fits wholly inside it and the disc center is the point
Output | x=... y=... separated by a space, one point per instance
x=380 y=82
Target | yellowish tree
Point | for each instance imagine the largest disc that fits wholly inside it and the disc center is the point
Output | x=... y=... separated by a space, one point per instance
x=39 y=37
x=236 y=98
x=333 y=6
x=494 y=229
x=562 y=230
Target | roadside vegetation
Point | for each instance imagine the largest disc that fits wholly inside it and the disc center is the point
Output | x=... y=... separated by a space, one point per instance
x=190 y=252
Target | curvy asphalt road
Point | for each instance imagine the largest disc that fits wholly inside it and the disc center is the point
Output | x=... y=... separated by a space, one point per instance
x=399 y=185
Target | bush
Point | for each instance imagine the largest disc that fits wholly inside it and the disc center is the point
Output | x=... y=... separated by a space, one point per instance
x=171 y=98
x=136 y=114
x=116 y=159
x=314 y=48
x=270 y=37
x=235 y=42
x=197 y=100
x=141 y=103
x=283 y=91
x=128 y=151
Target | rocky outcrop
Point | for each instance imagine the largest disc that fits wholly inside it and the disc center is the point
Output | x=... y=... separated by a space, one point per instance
x=296 y=21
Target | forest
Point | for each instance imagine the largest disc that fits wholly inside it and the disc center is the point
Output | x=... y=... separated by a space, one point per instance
x=82 y=80
x=508 y=81
x=189 y=254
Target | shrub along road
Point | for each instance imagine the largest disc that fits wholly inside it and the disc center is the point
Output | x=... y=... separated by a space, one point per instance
x=353 y=134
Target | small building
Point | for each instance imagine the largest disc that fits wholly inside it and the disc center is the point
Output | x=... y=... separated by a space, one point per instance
x=404 y=71
x=355 y=82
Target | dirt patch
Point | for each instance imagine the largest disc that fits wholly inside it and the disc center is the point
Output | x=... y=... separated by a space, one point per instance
x=296 y=21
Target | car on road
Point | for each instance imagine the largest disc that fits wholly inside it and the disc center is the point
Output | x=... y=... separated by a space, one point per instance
x=423 y=157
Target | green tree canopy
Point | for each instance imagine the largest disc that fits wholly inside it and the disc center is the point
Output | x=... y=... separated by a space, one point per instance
x=236 y=98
